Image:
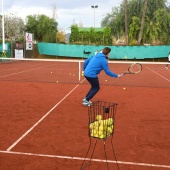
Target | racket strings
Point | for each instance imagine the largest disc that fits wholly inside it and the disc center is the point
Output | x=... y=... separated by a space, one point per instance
x=135 y=68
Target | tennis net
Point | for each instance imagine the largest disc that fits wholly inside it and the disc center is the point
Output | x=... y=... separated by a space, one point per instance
x=153 y=74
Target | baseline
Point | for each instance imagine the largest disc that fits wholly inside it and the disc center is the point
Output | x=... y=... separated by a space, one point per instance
x=80 y=158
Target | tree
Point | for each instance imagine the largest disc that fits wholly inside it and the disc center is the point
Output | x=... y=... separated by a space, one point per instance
x=97 y=36
x=145 y=24
x=142 y=22
x=13 y=26
x=61 y=37
x=43 y=28
x=134 y=28
x=126 y=22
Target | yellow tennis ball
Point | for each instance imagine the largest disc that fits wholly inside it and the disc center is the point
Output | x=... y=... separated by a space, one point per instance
x=93 y=132
x=91 y=126
x=96 y=135
x=102 y=127
x=112 y=127
x=105 y=80
x=98 y=117
x=110 y=121
x=102 y=136
x=96 y=123
x=105 y=122
x=109 y=130
x=124 y=88
x=100 y=132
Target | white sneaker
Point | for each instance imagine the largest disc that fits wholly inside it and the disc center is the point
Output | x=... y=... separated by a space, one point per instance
x=84 y=100
x=86 y=103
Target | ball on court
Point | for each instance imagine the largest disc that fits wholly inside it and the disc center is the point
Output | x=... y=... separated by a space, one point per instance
x=105 y=80
x=51 y=72
x=56 y=81
x=124 y=88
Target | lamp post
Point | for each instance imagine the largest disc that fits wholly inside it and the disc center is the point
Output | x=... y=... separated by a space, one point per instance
x=3 y=34
x=94 y=7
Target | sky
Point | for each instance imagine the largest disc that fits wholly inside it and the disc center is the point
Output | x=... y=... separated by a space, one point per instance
x=67 y=11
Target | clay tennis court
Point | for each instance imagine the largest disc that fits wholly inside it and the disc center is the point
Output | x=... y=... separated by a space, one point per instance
x=43 y=125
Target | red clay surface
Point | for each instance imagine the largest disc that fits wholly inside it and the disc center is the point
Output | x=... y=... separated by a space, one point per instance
x=44 y=126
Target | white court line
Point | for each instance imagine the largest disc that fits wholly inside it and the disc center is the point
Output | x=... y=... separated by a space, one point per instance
x=158 y=74
x=80 y=158
x=23 y=71
x=26 y=133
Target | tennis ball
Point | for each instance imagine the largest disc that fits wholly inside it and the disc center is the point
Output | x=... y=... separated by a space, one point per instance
x=110 y=121
x=124 y=88
x=51 y=72
x=96 y=135
x=102 y=136
x=109 y=130
x=56 y=81
x=94 y=132
x=96 y=123
x=105 y=122
x=112 y=127
x=91 y=126
x=102 y=127
x=100 y=132
x=99 y=117
x=105 y=80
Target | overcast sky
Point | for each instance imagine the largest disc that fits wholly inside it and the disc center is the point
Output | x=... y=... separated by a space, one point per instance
x=67 y=11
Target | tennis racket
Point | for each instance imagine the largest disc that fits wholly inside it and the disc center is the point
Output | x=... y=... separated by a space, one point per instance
x=133 y=69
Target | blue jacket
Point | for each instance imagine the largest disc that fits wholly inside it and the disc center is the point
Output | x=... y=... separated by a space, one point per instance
x=95 y=64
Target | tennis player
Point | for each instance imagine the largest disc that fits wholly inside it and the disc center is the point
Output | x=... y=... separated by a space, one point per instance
x=91 y=68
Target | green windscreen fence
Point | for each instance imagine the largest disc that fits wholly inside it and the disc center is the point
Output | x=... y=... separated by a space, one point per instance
x=117 y=52
x=7 y=52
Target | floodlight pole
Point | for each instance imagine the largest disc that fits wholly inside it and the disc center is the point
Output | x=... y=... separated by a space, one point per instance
x=94 y=7
x=3 y=34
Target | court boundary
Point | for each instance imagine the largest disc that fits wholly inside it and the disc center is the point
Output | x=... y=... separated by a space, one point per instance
x=81 y=158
